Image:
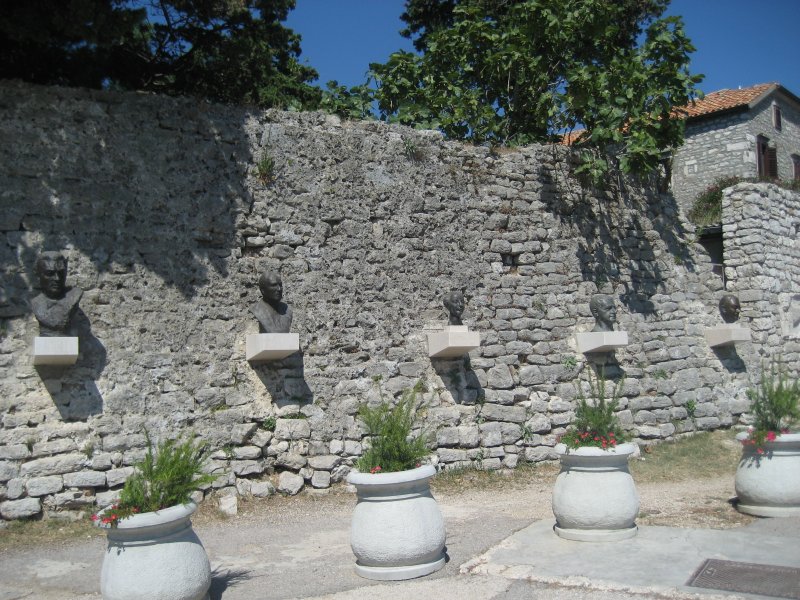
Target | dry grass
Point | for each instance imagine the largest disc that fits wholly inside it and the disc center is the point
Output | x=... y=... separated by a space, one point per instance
x=454 y=481
x=700 y=456
x=21 y=534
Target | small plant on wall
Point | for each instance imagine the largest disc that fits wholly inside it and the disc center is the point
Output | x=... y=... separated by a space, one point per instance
x=707 y=207
x=265 y=169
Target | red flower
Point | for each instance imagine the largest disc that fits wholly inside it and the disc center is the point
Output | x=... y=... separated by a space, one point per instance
x=95 y=517
x=596 y=439
x=771 y=436
x=760 y=450
x=375 y=469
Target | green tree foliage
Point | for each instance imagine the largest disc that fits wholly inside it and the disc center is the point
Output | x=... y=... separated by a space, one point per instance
x=522 y=71
x=225 y=50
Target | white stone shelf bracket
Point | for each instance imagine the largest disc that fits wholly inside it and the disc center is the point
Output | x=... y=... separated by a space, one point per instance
x=452 y=341
x=600 y=341
x=62 y=351
x=726 y=335
x=264 y=347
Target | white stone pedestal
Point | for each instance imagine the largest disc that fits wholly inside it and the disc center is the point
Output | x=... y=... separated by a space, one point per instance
x=452 y=341
x=262 y=347
x=55 y=350
x=726 y=335
x=601 y=341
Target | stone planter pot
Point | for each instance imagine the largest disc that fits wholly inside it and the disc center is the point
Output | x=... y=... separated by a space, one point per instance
x=768 y=484
x=155 y=555
x=397 y=531
x=595 y=498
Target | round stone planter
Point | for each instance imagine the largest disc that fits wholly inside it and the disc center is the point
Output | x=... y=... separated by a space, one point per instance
x=397 y=531
x=595 y=498
x=155 y=555
x=768 y=484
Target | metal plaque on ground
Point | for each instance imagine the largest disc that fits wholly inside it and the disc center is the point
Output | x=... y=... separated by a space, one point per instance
x=747 y=578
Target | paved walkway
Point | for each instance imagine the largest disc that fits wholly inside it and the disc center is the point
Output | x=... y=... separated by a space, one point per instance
x=492 y=554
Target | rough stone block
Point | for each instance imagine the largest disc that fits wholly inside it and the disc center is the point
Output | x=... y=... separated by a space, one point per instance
x=85 y=479
x=20 y=509
x=321 y=479
x=491 y=434
x=448 y=455
x=14 y=452
x=499 y=377
x=243 y=468
x=324 y=463
x=73 y=499
x=228 y=505
x=42 y=486
x=261 y=489
x=469 y=436
x=291 y=460
x=116 y=477
x=107 y=498
x=538 y=424
x=289 y=483
x=54 y=465
x=8 y=470
x=15 y=488
x=247 y=452
x=447 y=436
x=496 y=412
x=292 y=429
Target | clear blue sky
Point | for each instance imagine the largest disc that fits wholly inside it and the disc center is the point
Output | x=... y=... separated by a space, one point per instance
x=739 y=42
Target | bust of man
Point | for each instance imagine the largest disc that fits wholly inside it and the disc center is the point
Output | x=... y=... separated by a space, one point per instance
x=273 y=315
x=604 y=312
x=729 y=308
x=56 y=305
x=454 y=303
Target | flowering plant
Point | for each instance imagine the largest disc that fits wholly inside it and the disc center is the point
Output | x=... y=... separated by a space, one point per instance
x=774 y=406
x=165 y=477
x=392 y=447
x=596 y=424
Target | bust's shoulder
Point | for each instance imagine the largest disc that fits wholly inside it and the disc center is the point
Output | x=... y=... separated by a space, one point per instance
x=73 y=295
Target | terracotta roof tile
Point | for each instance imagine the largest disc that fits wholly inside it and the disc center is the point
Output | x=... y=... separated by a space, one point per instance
x=725 y=100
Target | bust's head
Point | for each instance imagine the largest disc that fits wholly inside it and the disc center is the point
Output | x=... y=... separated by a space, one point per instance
x=271 y=287
x=604 y=312
x=454 y=303
x=729 y=308
x=51 y=268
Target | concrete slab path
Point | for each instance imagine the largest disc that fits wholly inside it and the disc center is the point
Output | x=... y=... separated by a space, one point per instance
x=489 y=557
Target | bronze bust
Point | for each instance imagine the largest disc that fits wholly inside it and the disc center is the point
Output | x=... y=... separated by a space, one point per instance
x=274 y=316
x=729 y=308
x=604 y=312
x=56 y=305
x=454 y=303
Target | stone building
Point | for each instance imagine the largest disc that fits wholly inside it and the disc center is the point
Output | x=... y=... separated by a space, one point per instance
x=752 y=132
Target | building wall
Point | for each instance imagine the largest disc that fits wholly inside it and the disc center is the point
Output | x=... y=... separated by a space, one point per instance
x=168 y=221
x=725 y=146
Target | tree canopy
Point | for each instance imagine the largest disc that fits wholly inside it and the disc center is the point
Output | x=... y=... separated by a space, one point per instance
x=233 y=51
x=522 y=71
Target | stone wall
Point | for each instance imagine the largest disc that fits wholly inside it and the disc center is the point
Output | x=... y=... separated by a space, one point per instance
x=168 y=220
x=723 y=146
x=762 y=262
